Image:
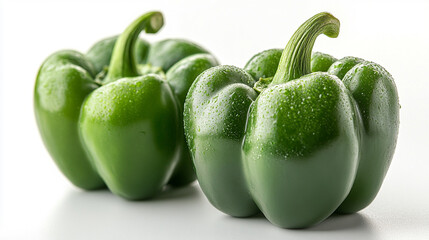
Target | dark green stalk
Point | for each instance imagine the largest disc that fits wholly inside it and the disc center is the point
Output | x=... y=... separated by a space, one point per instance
x=124 y=63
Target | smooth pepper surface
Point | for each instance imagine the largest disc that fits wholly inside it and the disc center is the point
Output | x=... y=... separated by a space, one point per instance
x=114 y=116
x=296 y=145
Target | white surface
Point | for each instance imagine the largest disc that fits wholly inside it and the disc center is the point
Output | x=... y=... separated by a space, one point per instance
x=37 y=202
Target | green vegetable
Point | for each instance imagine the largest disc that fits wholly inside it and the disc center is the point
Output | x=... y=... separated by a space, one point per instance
x=120 y=124
x=293 y=144
x=320 y=62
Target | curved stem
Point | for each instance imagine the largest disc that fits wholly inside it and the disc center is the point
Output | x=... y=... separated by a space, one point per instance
x=296 y=57
x=123 y=62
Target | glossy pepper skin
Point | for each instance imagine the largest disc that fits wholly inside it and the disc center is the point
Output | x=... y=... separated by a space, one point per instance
x=375 y=93
x=277 y=138
x=110 y=124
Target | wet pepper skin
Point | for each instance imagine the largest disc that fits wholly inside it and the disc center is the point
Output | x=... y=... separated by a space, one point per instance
x=375 y=93
x=113 y=125
x=295 y=145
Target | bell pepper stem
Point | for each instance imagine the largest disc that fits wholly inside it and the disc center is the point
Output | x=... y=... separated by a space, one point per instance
x=123 y=62
x=296 y=57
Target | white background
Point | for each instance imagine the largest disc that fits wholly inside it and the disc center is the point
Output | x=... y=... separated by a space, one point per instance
x=37 y=202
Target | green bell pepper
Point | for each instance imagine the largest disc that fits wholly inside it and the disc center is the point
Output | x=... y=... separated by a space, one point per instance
x=105 y=120
x=295 y=145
